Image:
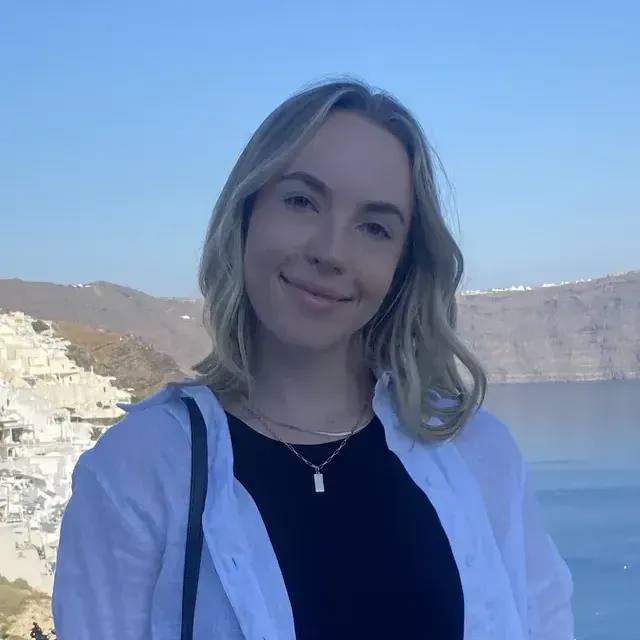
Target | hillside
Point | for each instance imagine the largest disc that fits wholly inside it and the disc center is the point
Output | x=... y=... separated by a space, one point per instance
x=576 y=331
x=134 y=364
x=169 y=325
x=20 y=606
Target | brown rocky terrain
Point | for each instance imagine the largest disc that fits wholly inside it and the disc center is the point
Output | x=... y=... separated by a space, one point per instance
x=20 y=606
x=579 y=331
x=132 y=362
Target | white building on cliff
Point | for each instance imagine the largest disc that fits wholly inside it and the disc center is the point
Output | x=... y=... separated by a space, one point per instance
x=47 y=407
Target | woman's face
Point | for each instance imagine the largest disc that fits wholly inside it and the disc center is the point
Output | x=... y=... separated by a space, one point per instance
x=325 y=238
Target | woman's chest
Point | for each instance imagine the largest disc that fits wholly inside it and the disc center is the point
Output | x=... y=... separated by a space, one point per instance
x=367 y=556
x=243 y=584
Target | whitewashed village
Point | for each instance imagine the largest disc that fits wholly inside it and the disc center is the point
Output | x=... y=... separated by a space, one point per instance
x=51 y=411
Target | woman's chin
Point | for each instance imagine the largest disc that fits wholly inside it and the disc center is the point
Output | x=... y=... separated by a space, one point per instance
x=311 y=340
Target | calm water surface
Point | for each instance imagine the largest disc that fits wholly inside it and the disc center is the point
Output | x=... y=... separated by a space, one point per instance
x=582 y=441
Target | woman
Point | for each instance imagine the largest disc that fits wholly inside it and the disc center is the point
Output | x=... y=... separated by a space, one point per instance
x=355 y=487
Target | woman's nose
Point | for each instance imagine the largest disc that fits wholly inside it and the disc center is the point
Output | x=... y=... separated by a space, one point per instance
x=327 y=249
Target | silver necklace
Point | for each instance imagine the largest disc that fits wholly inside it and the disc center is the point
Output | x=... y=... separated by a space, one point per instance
x=318 y=477
x=327 y=434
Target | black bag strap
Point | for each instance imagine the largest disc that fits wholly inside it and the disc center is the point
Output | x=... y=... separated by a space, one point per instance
x=198 y=494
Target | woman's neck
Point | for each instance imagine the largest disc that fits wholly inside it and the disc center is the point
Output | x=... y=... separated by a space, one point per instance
x=327 y=390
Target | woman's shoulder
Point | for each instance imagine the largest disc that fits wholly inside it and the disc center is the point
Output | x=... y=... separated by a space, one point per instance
x=485 y=435
x=492 y=454
x=153 y=423
x=484 y=440
x=150 y=445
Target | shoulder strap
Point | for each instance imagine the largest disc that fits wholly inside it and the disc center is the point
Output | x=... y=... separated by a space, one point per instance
x=198 y=494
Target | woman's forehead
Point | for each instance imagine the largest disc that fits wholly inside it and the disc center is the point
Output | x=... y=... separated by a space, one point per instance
x=353 y=156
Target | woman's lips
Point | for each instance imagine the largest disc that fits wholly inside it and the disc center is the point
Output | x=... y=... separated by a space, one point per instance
x=313 y=298
x=317 y=290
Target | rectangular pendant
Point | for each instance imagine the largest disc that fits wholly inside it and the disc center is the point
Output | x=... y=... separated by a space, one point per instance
x=318 y=481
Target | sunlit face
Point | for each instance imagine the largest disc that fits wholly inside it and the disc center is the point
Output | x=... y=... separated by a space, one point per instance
x=325 y=238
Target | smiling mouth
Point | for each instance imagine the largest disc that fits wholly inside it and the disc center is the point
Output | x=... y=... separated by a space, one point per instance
x=316 y=292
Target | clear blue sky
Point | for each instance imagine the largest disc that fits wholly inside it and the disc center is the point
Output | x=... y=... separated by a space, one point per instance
x=120 y=120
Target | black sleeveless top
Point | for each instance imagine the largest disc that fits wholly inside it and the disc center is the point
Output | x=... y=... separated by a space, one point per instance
x=366 y=559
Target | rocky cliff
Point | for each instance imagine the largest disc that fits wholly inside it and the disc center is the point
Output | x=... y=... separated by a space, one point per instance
x=574 y=331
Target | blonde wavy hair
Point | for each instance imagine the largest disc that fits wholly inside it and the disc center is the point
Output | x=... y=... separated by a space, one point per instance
x=412 y=338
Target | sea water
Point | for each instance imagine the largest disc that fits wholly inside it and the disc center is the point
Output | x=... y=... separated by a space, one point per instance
x=582 y=442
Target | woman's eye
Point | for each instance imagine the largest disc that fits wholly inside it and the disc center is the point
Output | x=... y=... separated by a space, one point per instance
x=300 y=202
x=376 y=230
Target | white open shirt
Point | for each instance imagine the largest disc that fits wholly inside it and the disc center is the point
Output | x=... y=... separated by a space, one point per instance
x=121 y=554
